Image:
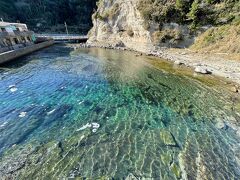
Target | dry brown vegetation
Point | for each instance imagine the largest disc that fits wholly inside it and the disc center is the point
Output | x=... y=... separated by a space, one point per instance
x=223 y=39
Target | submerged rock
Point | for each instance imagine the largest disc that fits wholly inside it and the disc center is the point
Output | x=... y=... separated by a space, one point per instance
x=13 y=88
x=22 y=114
x=167 y=138
x=93 y=125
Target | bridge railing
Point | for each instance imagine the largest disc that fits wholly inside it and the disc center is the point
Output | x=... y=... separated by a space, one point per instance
x=62 y=36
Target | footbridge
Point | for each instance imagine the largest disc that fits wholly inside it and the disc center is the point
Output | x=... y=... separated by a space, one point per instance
x=71 y=38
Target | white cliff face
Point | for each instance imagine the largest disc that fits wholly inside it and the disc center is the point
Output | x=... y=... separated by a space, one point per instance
x=119 y=22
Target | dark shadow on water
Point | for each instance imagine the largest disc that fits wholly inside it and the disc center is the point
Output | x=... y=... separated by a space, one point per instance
x=50 y=52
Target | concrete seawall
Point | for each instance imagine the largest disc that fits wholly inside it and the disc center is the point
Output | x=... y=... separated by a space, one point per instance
x=10 y=55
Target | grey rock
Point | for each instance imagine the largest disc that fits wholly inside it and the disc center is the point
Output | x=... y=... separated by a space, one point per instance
x=202 y=70
x=178 y=62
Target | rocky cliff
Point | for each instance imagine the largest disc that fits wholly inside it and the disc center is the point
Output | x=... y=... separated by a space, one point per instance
x=144 y=24
x=119 y=23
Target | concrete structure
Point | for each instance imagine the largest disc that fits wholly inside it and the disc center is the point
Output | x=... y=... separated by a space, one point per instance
x=14 y=36
x=13 y=54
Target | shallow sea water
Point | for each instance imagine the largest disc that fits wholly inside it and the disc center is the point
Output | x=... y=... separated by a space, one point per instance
x=156 y=122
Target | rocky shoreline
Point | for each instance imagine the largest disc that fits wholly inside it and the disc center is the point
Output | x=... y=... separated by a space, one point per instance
x=200 y=63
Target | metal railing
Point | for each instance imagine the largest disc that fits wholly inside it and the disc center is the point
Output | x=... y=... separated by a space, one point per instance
x=23 y=33
x=62 y=36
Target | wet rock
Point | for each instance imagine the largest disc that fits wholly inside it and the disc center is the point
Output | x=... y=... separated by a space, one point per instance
x=202 y=70
x=22 y=114
x=12 y=88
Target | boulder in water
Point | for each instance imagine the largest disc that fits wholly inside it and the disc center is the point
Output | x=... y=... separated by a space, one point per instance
x=22 y=114
x=12 y=88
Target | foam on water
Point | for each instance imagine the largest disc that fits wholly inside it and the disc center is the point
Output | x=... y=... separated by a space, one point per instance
x=101 y=113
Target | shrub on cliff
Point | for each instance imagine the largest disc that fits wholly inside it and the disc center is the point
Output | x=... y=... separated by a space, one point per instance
x=222 y=39
x=167 y=36
x=192 y=12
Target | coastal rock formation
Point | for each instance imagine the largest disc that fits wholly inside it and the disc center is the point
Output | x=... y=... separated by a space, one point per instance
x=119 y=22
x=144 y=25
x=123 y=22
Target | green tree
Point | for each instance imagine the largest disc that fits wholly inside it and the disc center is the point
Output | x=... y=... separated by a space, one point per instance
x=194 y=12
x=7 y=10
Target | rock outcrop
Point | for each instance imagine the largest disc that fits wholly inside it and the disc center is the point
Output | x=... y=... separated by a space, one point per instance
x=119 y=22
x=122 y=22
x=143 y=25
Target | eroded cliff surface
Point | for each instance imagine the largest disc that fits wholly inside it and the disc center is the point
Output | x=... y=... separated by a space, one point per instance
x=119 y=23
x=144 y=24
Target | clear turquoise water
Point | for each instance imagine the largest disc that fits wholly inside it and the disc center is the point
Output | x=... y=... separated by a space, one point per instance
x=154 y=124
